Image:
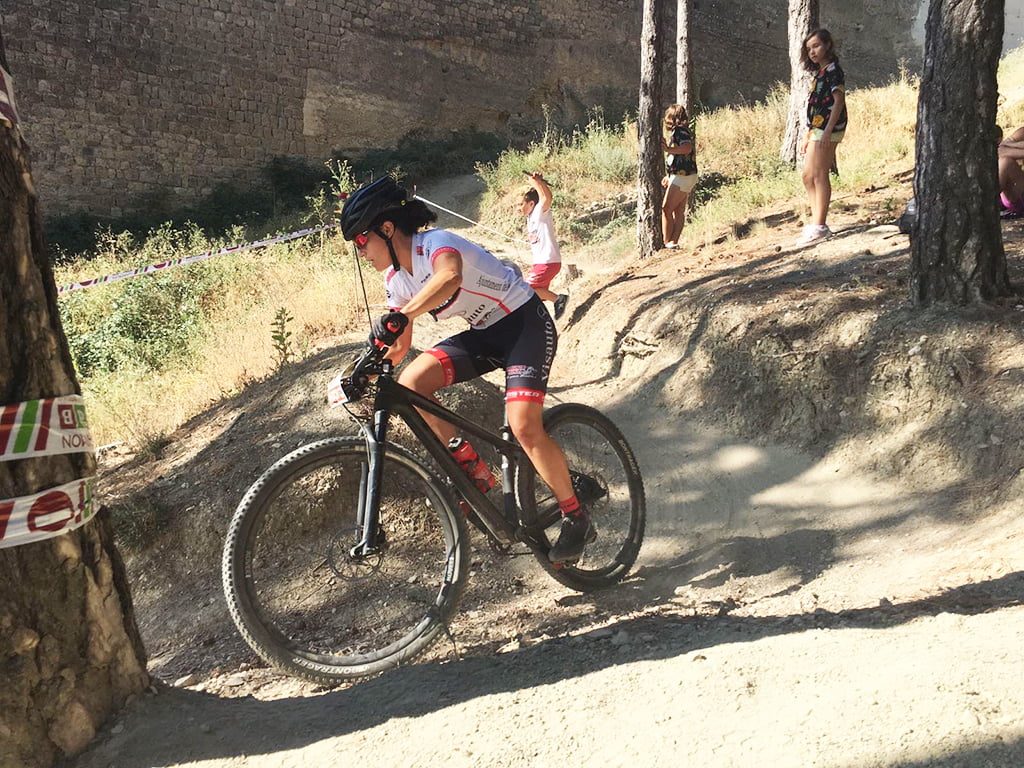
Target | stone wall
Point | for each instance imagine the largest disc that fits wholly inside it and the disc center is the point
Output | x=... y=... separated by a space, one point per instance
x=133 y=104
x=1013 y=34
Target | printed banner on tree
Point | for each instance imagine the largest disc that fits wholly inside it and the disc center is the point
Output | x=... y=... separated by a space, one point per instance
x=44 y=428
x=46 y=514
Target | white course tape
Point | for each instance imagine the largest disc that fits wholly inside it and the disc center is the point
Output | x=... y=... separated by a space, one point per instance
x=474 y=223
x=191 y=259
x=46 y=514
x=44 y=428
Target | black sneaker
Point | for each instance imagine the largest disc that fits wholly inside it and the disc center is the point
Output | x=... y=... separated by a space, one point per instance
x=577 y=531
x=561 y=300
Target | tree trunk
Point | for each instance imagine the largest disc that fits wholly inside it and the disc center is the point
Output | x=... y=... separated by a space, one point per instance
x=684 y=56
x=69 y=647
x=650 y=167
x=956 y=243
x=803 y=19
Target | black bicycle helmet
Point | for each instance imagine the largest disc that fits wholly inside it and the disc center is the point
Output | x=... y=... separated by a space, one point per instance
x=367 y=203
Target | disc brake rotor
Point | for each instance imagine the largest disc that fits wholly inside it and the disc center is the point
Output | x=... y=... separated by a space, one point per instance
x=344 y=564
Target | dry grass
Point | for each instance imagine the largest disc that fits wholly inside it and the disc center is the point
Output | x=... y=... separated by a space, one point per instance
x=1011 y=91
x=742 y=144
x=141 y=405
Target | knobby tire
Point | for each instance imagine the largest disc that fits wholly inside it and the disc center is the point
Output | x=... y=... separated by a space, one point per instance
x=298 y=597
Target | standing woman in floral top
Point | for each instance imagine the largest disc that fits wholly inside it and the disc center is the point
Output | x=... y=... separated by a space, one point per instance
x=826 y=123
x=680 y=172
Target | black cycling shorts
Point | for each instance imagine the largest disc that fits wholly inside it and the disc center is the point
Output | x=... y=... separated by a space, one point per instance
x=523 y=344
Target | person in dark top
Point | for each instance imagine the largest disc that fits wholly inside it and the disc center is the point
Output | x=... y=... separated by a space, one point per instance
x=680 y=172
x=826 y=124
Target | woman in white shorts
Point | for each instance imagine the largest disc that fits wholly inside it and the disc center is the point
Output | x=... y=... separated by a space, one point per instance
x=680 y=172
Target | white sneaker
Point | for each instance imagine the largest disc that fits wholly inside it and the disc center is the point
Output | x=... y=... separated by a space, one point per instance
x=813 y=233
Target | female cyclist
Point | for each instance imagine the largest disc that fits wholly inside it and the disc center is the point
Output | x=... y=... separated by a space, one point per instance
x=436 y=272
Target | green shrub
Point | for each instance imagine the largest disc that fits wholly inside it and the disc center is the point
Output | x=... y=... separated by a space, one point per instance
x=585 y=166
x=144 y=323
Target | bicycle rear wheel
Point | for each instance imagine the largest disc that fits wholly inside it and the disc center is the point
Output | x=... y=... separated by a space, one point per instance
x=303 y=602
x=608 y=483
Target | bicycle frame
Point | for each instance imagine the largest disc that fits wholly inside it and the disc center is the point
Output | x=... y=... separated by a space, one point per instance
x=505 y=527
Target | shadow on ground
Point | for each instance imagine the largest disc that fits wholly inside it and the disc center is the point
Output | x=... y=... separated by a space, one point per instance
x=415 y=690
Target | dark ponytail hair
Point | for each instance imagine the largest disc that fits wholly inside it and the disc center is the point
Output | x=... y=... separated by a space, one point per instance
x=409 y=219
x=826 y=38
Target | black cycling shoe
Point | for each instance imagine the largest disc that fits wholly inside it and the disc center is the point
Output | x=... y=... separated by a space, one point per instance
x=577 y=531
x=560 y=303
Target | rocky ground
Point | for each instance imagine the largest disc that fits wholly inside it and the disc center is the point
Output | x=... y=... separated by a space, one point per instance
x=833 y=570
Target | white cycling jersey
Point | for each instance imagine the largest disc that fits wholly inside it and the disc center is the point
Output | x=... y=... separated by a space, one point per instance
x=490 y=289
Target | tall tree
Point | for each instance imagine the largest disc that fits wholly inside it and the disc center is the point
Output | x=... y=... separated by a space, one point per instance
x=956 y=244
x=649 y=168
x=803 y=19
x=684 y=56
x=70 y=652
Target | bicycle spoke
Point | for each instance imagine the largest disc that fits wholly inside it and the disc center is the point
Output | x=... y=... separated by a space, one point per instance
x=304 y=600
x=607 y=484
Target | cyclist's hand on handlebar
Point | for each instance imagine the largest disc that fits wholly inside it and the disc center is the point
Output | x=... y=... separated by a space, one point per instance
x=387 y=328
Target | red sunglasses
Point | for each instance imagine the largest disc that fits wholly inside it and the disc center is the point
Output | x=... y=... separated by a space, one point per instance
x=361 y=239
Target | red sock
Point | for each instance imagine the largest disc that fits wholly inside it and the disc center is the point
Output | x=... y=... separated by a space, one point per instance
x=571 y=506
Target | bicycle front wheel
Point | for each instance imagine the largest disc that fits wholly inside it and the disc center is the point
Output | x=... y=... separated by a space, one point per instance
x=298 y=596
x=608 y=483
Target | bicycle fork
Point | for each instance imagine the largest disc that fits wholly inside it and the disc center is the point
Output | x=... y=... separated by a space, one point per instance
x=368 y=514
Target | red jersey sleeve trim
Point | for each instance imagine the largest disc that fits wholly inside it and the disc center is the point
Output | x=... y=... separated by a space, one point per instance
x=443 y=249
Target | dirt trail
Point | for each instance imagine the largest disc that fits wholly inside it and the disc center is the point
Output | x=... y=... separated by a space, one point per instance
x=790 y=608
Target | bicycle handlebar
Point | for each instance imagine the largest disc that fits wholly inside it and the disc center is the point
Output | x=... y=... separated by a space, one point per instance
x=369 y=363
x=356 y=377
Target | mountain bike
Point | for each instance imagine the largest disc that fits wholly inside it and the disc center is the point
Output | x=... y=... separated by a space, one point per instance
x=348 y=556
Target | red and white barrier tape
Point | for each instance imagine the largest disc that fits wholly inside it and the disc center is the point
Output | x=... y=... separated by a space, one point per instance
x=44 y=427
x=46 y=514
x=191 y=259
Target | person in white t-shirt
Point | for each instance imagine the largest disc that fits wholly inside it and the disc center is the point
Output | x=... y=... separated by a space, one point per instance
x=535 y=205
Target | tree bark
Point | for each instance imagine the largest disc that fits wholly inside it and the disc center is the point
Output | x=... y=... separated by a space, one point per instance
x=684 y=56
x=956 y=243
x=70 y=652
x=650 y=166
x=803 y=19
